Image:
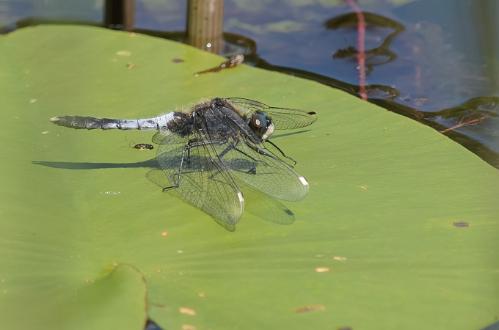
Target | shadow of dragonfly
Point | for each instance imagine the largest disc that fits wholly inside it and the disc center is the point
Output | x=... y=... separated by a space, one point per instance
x=262 y=206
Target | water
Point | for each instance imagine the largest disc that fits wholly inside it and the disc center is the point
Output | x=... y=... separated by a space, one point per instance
x=435 y=62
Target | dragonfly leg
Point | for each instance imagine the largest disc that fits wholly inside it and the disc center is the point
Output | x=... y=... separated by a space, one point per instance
x=191 y=144
x=252 y=170
x=282 y=152
x=262 y=151
x=226 y=150
x=194 y=143
x=188 y=156
x=176 y=177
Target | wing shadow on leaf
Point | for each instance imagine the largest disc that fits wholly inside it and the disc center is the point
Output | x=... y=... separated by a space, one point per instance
x=260 y=205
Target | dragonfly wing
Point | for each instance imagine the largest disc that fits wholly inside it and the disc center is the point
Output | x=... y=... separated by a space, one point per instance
x=283 y=118
x=286 y=118
x=202 y=179
x=264 y=171
x=246 y=106
x=165 y=136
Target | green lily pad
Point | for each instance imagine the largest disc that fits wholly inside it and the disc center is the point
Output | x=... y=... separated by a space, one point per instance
x=399 y=230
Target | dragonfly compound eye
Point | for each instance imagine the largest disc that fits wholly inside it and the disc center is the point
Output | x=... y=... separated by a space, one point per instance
x=261 y=124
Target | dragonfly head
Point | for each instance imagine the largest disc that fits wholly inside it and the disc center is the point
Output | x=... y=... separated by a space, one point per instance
x=261 y=124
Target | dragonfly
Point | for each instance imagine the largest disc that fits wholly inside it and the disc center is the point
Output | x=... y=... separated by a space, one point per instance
x=206 y=151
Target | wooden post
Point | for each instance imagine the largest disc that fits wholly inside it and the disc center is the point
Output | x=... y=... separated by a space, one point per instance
x=205 y=24
x=119 y=14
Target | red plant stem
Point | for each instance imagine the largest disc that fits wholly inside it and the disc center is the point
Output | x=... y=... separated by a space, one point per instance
x=361 y=47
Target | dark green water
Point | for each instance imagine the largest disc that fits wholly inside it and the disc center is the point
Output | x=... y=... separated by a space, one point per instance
x=435 y=62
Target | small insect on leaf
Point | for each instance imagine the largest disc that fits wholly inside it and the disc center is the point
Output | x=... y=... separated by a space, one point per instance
x=143 y=146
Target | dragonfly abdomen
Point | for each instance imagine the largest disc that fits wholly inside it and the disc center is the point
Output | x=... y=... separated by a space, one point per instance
x=81 y=122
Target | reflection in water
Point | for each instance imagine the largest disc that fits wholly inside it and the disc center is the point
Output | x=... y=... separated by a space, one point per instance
x=382 y=92
x=472 y=124
x=427 y=74
x=476 y=119
x=414 y=68
x=471 y=113
x=417 y=58
x=378 y=54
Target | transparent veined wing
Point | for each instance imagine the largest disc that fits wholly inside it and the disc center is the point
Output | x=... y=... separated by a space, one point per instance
x=283 y=118
x=263 y=170
x=190 y=164
x=164 y=136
